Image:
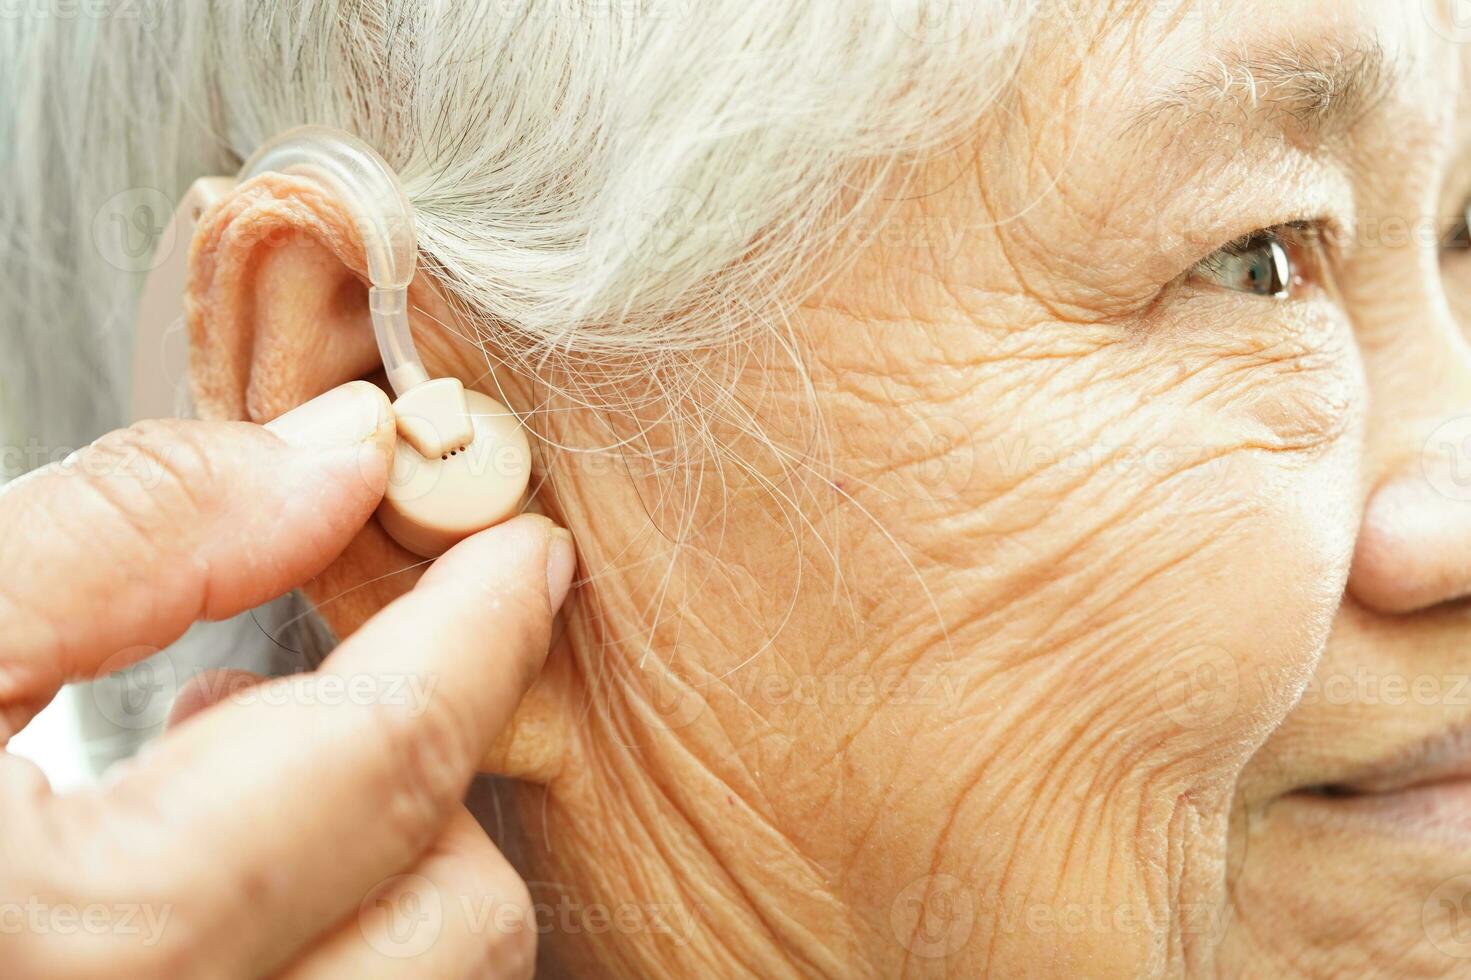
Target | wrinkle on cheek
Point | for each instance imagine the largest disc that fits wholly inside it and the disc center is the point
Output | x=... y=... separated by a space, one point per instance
x=1300 y=386
x=1074 y=517
x=1120 y=529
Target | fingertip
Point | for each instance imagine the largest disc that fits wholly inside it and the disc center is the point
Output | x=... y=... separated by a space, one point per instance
x=512 y=548
x=385 y=429
x=375 y=453
x=561 y=566
x=350 y=427
x=350 y=414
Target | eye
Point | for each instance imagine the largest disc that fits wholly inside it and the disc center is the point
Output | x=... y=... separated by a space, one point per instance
x=1271 y=263
x=1459 y=237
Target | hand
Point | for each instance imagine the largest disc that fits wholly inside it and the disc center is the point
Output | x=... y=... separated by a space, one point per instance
x=247 y=840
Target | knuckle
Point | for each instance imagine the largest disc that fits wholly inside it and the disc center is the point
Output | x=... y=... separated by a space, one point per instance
x=151 y=473
x=431 y=762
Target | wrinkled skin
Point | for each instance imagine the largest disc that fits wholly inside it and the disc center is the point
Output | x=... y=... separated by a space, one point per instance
x=1036 y=662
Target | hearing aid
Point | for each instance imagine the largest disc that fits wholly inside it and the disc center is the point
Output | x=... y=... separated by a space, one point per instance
x=461 y=462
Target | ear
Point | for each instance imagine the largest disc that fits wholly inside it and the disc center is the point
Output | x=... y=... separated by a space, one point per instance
x=276 y=307
x=277 y=314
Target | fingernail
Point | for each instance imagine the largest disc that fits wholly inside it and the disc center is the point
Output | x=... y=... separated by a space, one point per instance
x=561 y=566
x=345 y=416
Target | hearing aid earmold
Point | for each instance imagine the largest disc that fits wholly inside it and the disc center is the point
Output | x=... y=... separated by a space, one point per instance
x=461 y=462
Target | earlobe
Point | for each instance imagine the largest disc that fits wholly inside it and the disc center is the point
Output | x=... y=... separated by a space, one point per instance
x=536 y=746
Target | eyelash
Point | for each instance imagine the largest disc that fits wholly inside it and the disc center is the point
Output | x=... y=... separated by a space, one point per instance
x=1291 y=252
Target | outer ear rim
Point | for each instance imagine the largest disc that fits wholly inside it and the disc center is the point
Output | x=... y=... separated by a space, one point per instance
x=265 y=212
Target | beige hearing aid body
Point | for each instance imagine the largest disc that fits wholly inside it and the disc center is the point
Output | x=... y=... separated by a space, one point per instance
x=477 y=479
x=462 y=460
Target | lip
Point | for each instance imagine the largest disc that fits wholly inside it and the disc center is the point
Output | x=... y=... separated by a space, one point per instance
x=1423 y=788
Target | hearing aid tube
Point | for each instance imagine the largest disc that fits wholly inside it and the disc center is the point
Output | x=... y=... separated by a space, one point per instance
x=380 y=211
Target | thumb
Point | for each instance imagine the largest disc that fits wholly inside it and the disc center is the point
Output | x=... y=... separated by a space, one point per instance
x=117 y=550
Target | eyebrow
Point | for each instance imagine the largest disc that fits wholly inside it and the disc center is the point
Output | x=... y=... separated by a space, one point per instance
x=1317 y=93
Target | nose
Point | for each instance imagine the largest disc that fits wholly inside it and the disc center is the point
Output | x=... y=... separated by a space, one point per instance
x=1412 y=317
x=1414 y=546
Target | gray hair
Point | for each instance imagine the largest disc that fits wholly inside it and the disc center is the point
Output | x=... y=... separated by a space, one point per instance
x=598 y=181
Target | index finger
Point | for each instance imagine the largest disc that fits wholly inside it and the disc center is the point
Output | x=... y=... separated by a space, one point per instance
x=354 y=785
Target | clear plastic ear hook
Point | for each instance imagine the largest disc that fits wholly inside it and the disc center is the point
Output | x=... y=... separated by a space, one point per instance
x=461 y=461
x=361 y=180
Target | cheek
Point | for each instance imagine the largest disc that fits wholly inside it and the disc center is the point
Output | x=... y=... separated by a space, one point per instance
x=1144 y=541
x=1268 y=588
x=1119 y=561
x=1282 y=410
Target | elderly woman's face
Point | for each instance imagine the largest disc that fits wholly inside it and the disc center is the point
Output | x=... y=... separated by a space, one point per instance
x=1032 y=647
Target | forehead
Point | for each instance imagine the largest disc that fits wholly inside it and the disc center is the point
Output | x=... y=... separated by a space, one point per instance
x=1274 y=49
x=1138 y=133
x=1156 y=80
